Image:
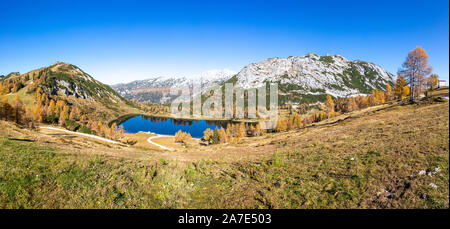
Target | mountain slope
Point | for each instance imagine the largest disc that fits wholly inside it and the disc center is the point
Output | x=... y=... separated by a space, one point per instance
x=62 y=81
x=157 y=89
x=309 y=78
x=305 y=79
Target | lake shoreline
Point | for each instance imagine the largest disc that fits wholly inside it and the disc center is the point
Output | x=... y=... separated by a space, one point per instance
x=124 y=118
x=169 y=126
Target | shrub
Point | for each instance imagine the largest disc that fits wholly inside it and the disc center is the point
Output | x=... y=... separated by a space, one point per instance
x=215 y=138
x=327 y=59
x=276 y=160
x=52 y=119
x=181 y=137
x=207 y=135
x=72 y=125
x=85 y=129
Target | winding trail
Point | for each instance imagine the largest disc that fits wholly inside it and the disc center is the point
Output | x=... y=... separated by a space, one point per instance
x=82 y=134
x=149 y=140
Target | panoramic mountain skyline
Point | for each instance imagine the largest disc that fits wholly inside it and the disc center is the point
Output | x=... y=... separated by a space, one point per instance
x=120 y=43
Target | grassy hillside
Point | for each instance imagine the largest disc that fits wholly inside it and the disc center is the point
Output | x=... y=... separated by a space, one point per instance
x=393 y=157
x=27 y=98
x=62 y=81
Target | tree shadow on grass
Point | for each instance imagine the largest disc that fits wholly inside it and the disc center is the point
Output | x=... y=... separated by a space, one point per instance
x=20 y=139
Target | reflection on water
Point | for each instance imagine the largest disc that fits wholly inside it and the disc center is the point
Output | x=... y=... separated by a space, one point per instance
x=169 y=126
x=185 y=122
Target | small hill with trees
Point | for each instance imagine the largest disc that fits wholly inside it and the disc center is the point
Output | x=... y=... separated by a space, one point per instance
x=62 y=94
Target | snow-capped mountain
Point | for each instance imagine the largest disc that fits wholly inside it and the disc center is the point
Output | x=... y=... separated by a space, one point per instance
x=310 y=77
x=305 y=79
x=157 y=89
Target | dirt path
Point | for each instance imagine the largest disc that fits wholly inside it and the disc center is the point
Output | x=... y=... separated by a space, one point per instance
x=82 y=134
x=149 y=140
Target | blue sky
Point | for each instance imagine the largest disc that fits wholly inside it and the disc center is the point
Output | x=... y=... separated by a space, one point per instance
x=121 y=41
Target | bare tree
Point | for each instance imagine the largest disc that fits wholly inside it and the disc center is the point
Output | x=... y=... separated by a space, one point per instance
x=416 y=69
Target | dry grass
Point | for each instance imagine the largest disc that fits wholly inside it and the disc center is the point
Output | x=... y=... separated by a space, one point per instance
x=368 y=159
x=443 y=91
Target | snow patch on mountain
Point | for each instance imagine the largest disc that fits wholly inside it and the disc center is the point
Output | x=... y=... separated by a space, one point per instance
x=156 y=89
x=304 y=79
x=314 y=75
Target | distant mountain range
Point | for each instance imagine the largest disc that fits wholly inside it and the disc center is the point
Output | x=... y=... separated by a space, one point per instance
x=157 y=89
x=305 y=79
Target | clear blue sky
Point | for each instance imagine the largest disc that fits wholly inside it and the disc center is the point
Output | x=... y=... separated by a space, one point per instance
x=121 y=41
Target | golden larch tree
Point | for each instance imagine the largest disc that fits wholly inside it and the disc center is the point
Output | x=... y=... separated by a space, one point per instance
x=207 y=135
x=433 y=81
x=388 y=92
x=37 y=113
x=329 y=104
x=405 y=92
x=398 y=87
x=416 y=70
x=52 y=107
x=19 y=109
x=74 y=114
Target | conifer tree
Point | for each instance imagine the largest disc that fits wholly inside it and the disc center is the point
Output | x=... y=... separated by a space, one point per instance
x=388 y=92
x=37 y=116
x=405 y=92
x=114 y=130
x=229 y=134
x=64 y=115
x=75 y=114
x=329 y=104
x=207 y=135
x=399 y=84
x=52 y=107
x=222 y=135
x=18 y=108
x=100 y=128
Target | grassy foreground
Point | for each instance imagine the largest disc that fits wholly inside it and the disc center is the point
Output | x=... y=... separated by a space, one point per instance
x=397 y=158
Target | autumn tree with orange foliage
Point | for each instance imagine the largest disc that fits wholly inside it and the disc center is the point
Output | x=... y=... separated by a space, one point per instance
x=37 y=113
x=207 y=135
x=18 y=108
x=64 y=115
x=6 y=110
x=75 y=114
x=405 y=92
x=15 y=112
x=400 y=83
x=388 y=94
x=182 y=137
x=329 y=105
x=433 y=81
x=416 y=70
x=281 y=125
x=362 y=101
